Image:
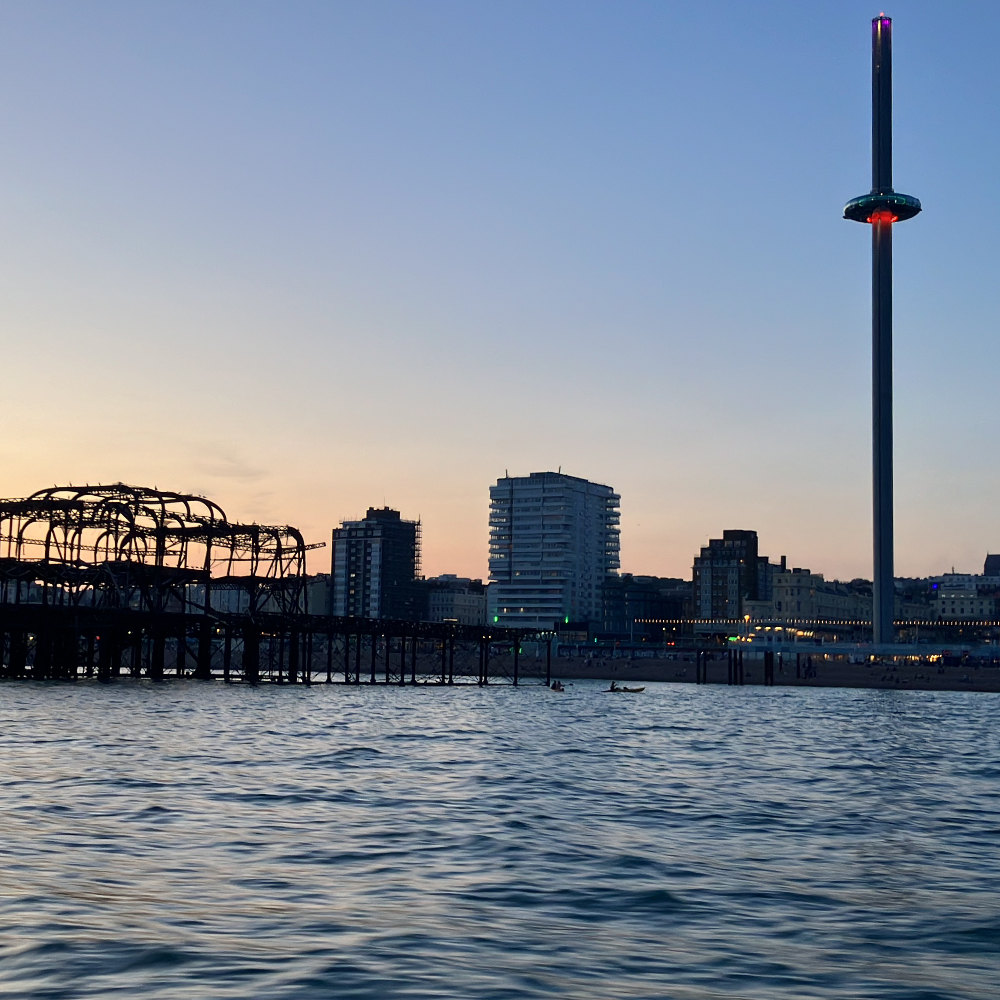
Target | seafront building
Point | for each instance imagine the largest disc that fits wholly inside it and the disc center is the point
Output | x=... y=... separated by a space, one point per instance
x=317 y=594
x=374 y=567
x=637 y=607
x=458 y=599
x=728 y=573
x=961 y=604
x=554 y=539
x=800 y=595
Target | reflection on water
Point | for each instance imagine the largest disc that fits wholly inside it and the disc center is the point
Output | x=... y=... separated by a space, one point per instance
x=189 y=840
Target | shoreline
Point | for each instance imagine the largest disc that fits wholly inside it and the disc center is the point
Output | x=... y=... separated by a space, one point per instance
x=882 y=676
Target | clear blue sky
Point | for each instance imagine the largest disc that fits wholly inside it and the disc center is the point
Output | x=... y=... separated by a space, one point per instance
x=307 y=257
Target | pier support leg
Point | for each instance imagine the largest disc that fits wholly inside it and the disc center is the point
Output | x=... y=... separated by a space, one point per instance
x=89 y=656
x=203 y=658
x=42 y=668
x=294 y=641
x=18 y=654
x=227 y=654
x=251 y=655
x=180 y=665
x=156 y=653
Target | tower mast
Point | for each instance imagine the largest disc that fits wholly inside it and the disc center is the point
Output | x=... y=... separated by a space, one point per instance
x=880 y=209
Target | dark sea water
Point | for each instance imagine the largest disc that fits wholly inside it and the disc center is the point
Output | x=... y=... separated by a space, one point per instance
x=203 y=841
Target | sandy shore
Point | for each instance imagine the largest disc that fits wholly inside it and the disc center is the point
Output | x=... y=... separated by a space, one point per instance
x=821 y=673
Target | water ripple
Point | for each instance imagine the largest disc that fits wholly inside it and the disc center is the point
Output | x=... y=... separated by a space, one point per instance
x=174 y=841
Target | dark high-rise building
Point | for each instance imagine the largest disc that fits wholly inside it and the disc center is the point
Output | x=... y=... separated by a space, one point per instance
x=725 y=575
x=374 y=567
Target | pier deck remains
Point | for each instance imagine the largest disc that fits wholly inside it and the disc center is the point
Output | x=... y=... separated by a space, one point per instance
x=120 y=580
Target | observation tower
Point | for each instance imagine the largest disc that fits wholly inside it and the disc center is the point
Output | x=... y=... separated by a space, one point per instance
x=880 y=208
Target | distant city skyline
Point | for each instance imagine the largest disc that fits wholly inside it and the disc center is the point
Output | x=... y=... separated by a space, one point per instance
x=313 y=259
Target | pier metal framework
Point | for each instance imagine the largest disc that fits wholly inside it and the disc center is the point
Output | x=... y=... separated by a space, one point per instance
x=106 y=581
x=123 y=546
x=881 y=208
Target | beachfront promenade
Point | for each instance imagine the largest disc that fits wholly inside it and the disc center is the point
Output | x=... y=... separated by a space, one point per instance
x=914 y=667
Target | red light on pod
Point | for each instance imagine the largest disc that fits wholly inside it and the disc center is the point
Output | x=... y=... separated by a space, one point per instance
x=883 y=215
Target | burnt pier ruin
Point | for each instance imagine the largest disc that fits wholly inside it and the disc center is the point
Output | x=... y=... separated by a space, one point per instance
x=113 y=581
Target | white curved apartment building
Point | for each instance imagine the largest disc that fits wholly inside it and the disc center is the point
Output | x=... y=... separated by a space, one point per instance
x=553 y=540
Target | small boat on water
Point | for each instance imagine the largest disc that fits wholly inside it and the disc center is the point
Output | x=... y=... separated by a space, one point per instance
x=557 y=686
x=616 y=689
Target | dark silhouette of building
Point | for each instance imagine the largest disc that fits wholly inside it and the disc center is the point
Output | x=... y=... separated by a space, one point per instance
x=992 y=566
x=450 y=598
x=374 y=567
x=634 y=604
x=725 y=575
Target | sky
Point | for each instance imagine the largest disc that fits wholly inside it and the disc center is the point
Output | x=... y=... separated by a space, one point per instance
x=305 y=258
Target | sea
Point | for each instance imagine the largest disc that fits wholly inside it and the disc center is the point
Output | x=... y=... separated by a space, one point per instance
x=200 y=840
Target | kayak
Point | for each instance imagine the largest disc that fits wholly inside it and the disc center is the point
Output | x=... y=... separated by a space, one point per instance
x=624 y=690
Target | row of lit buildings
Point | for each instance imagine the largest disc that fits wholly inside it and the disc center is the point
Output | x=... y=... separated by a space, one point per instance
x=554 y=565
